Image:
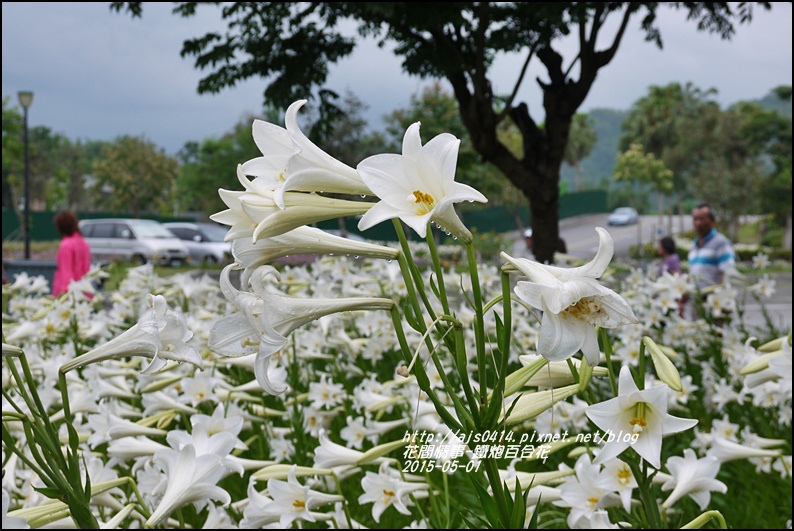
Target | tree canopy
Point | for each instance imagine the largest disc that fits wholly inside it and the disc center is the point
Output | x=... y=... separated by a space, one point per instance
x=133 y=175
x=292 y=46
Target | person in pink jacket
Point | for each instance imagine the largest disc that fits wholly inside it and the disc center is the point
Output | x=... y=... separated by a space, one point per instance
x=74 y=255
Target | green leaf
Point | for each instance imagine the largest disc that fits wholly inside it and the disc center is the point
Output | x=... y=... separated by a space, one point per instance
x=490 y=510
x=434 y=286
x=480 y=524
x=519 y=507
x=409 y=317
x=533 y=522
x=74 y=438
x=49 y=492
x=500 y=330
x=87 y=491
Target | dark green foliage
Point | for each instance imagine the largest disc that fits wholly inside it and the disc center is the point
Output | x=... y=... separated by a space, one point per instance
x=291 y=45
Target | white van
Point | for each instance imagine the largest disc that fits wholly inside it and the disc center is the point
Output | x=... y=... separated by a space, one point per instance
x=135 y=240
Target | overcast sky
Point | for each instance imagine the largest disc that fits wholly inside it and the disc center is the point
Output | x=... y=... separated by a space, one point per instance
x=97 y=75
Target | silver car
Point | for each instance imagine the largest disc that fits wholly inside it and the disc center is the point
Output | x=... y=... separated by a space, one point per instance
x=623 y=216
x=136 y=240
x=204 y=241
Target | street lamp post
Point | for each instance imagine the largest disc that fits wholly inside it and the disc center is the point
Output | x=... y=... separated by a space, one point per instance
x=25 y=99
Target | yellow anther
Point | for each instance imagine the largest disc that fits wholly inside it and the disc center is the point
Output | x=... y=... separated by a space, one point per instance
x=584 y=309
x=638 y=421
x=424 y=202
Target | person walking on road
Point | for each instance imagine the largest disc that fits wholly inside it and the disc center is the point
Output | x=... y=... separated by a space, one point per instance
x=712 y=255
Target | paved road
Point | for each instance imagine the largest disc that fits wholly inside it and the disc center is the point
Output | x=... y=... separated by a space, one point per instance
x=582 y=240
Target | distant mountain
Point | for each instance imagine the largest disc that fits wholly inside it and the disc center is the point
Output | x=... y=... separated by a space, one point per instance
x=599 y=164
x=773 y=103
x=597 y=168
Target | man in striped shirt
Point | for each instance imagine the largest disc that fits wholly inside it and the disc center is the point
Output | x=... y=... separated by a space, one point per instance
x=712 y=252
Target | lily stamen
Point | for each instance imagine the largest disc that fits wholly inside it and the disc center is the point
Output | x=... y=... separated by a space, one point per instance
x=638 y=422
x=583 y=309
x=424 y=202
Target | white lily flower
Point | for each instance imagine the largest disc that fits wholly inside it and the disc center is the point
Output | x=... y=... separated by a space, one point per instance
x=122 y=450
x=292 y=162
x=294 y=501
x=107 y=426
x=255 y=514
x=277 y=147
x=189 y=478
x=384 y=490
x=617 y=477
x=12 y=522
x=330 y=454
x=725 y=450
x=160 y=334
x=573 y=303
x=304 y=240
x=583 y=494
x=312 y=169
x=636 y=419
x=694 y=477
x=255 y=212
x=418 y=186
x=268 y=316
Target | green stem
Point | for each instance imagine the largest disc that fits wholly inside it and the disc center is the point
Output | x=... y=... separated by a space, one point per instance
x=11 y=445
x=421 y=375
x=410 y=266
x=67 y=413
x=608 y=355
x=647 y=497
x=345 y=506
x=442 y=290
x=479 y=326
x=493 y=302
x=46 y=435
x=492 y=471
x=497 y=396
x=445 y=478
x=640 y=378
x=705 y=518
x=462 y=362
x=414 y=288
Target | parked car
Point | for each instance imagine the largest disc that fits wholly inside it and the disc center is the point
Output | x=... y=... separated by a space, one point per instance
x=623 y=216
x=136 y=240
x=204 y=241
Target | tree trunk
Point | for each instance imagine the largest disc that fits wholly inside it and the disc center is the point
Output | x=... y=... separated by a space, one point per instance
x=660 y=213
x=537 y=174
x=733 y=228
